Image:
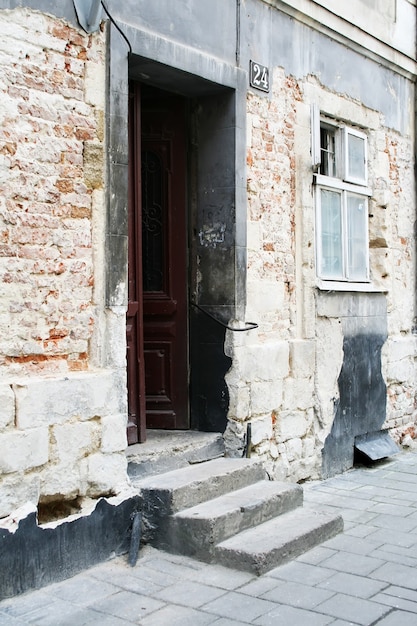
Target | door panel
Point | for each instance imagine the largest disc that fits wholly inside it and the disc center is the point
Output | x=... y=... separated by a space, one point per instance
x=164 y=262
x=157 y=324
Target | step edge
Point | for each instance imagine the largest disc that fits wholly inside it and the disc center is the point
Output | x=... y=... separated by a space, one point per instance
x=287 y=489
x=197 y=490
x=326 y=517
x=157 y=480
x=260 y=563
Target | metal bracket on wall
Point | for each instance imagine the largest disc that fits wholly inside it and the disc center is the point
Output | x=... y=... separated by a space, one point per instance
x=89 y=14
x=377 y=445
x=248 y=441
x=248 y=325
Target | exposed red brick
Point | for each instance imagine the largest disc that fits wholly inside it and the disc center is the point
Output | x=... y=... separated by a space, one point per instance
x=65 y=185
x=58 y=333
x=84 y=134
x=80 y=212
x=8 y=148
x=77 y=366
x=35 y=358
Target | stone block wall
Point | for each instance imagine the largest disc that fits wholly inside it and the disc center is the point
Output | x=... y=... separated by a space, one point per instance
x=62 y=416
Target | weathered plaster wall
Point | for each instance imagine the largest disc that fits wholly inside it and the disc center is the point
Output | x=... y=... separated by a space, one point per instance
x=275 y=39
x=369 y=22
x=62 y=417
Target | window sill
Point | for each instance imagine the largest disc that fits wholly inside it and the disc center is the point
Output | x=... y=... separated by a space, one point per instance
x=338 y=285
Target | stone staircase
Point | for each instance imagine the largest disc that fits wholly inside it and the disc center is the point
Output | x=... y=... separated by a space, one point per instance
x=225 y=511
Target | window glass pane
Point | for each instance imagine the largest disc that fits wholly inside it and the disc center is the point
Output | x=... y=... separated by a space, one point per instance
x=153 y=222
x=331 y=262
x=327 y=152
x=357 y=243
x=356 y=157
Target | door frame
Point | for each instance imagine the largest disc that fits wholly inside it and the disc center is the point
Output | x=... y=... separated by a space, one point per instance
x=220 y=91
x=136 y=426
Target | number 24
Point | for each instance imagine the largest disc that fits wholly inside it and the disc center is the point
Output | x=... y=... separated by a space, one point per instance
x=260 y=76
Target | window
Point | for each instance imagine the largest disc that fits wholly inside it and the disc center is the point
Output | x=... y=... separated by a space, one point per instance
x=340 y=160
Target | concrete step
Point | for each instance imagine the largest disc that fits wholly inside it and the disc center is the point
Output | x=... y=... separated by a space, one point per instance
x=165 y=494
x=196 y=531
x=277 y=541
x=217 y=511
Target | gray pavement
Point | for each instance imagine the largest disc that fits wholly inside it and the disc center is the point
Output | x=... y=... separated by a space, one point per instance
x=366 y=575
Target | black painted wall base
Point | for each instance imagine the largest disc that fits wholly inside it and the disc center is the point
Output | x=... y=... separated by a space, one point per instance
x=32 y=556
x=361 y=408
x=209 y=364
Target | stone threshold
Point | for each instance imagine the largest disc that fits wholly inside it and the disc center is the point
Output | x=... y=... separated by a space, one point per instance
x=166 y=450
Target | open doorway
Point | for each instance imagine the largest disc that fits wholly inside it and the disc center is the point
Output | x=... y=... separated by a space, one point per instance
x=188 y=276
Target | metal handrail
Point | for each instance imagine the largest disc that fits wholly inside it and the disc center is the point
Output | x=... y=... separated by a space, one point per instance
x=248 y=325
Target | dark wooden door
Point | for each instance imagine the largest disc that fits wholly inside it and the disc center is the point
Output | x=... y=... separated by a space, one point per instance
x=162 y=249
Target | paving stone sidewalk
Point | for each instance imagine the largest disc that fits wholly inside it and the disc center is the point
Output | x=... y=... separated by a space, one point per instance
x=366 y=575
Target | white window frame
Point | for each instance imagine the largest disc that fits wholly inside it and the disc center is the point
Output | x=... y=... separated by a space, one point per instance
x=345 y=274
x=348 y=177
x=345 y=183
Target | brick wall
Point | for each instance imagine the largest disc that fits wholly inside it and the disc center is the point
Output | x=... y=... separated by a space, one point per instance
x=62 y=420
x=48 y=126
x=271 y=206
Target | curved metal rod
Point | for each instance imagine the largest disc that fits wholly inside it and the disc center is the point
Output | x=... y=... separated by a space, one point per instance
x=106 y=11
x=248 y=325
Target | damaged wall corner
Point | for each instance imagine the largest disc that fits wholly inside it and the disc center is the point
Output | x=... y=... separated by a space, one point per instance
x=33 y=556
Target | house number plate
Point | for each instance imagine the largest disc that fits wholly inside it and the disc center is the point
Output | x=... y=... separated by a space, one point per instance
x=259 y=76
